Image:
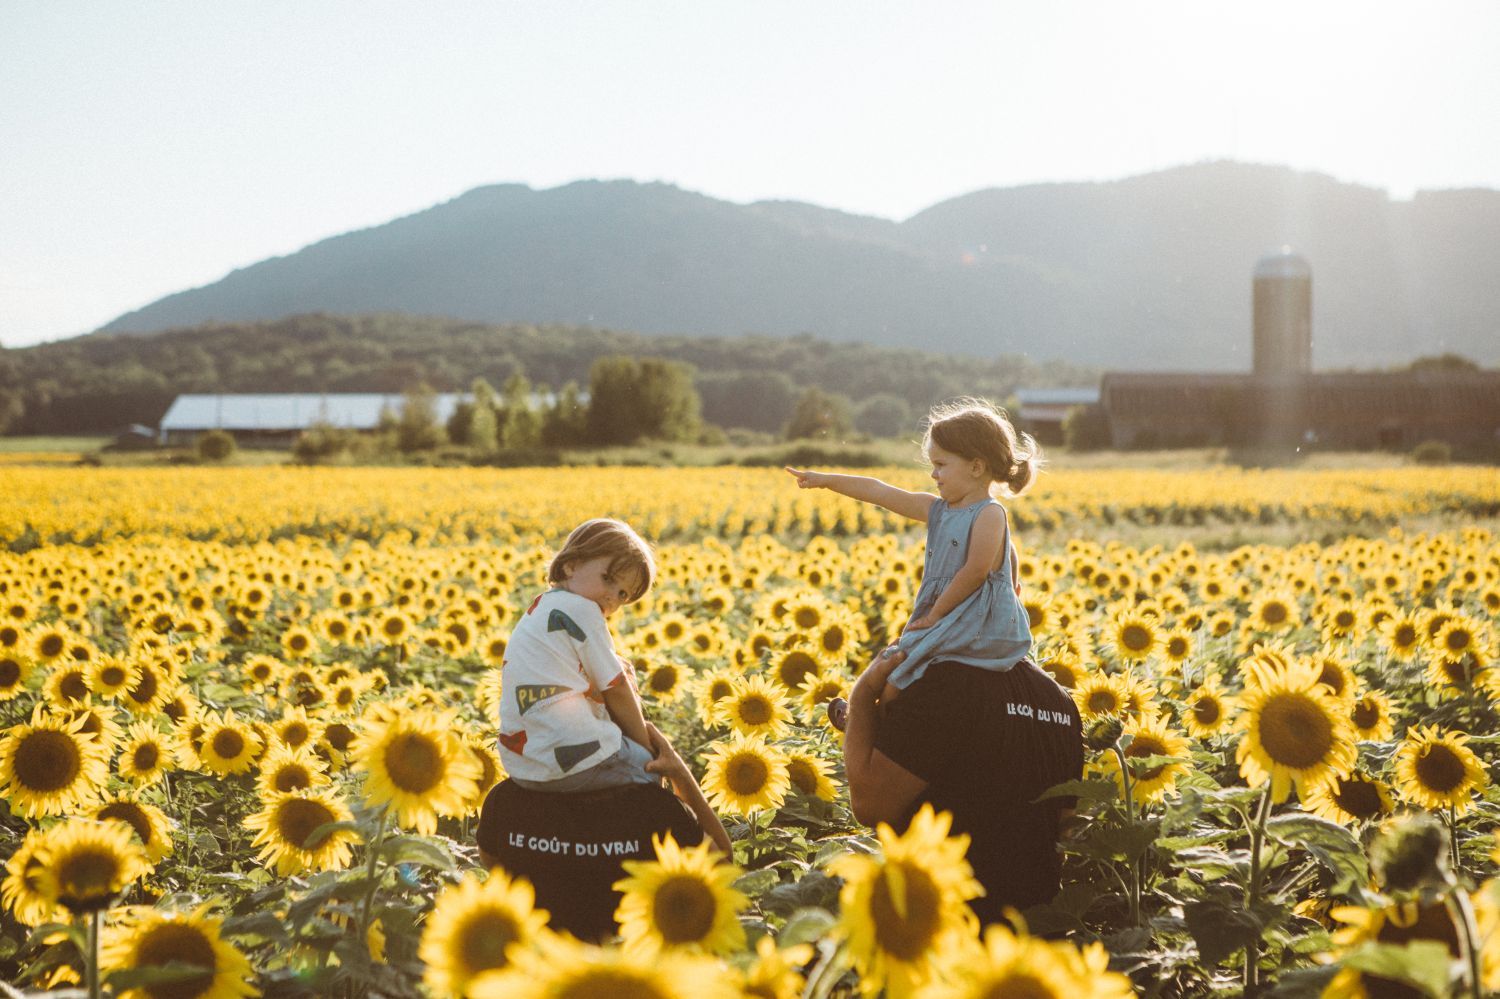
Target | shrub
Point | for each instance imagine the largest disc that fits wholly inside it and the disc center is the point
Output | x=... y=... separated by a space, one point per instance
x=215 y=445
x=1432 y=453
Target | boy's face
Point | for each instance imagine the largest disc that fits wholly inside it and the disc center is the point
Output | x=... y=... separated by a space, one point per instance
x=594 y=579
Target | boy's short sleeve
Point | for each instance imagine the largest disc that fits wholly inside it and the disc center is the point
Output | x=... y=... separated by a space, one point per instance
x=914 y=732
x=596 y=647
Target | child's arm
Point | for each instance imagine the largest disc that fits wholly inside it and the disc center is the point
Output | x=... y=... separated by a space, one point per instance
x=867 y=490
x=671 y=766
x=985 y=540
x=625 y=708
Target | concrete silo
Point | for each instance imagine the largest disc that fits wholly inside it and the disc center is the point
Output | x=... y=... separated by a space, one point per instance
x=1282 y=311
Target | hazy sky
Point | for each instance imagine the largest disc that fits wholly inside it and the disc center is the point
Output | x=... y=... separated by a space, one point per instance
x=147 y=147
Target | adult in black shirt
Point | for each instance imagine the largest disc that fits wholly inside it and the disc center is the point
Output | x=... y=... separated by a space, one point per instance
x=981 y=745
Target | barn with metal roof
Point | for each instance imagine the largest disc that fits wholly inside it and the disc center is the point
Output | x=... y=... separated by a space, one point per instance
x=277 y=419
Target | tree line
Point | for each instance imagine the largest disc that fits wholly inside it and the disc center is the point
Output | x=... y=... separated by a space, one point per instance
x=101 y=382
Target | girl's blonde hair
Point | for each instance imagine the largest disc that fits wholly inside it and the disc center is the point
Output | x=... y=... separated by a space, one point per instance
x=604 y=537
x=977 y=428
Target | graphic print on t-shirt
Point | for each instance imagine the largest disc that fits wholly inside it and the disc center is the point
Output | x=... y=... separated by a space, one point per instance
x=569 y=757
x=529 y=695
x=559 y=621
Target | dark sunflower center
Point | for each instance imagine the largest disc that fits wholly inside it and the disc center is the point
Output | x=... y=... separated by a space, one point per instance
x=10 y=673
x=683 y=910
x=1439 y=769
x=1295 y=731
x=664 y=679
x=1135 y=638
x=906 y=937
x=145 y=756
x=746 y=774
x=51 y=646
x=393 y=627
x=755 y=710
x=1019 y=985
x=1143 y=746
x=73 y=687
x=298 y=643
x=1274 y=613
x=1432 y=923
x=292 y=777
x=184 y=944
x=130 y=814
x=1207 y=710
x=1405 y=635
x=298 y=817
x=295 y=733
x=228 y=743
x=86 y=878
x=807 y=617
x=414 y=762
x=1360 y=798
x=1103 y=702
x=47 y=761
x=804 y=777
x=833 y=639
x=339 y=736
x=795 y=668
x=1177 y=647
x=1458 y=639
x=720 y=690
x=616 y=983
x=144 y=690
x=1366 y=714
x=483 y=938
x=112 y=676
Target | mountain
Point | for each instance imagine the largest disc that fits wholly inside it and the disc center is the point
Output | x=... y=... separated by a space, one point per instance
x=1149 y=272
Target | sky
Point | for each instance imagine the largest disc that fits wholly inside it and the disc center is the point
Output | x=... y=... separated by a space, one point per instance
x=154 y=146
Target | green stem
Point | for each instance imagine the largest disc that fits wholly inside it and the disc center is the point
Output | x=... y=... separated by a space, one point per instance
x=370 y=864
x=1453 y=855
x=1461 y=910
x=1252 y=895
x=825 y=974
x=91 y=959
x=1135 y=865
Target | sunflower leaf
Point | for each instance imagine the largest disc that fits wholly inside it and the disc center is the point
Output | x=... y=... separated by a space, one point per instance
x=1219 y=930
x=1422 y=964
x=155 y=974
x=806 y=925
x=317 y=837
x=417 y=850
x=1088 y=790
x=757 y=882
x=1333 y=846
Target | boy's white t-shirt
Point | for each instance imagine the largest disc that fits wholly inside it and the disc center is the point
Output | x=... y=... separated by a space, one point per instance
x=559 y=660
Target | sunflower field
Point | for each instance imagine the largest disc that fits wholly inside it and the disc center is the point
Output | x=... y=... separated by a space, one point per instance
x=248 y=716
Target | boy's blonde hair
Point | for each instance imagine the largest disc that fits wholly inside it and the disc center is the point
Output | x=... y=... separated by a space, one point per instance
x=604 y=537
x=977 y=428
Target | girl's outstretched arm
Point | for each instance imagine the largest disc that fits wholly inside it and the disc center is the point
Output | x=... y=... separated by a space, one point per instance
x=913 y=506
x=986 y=540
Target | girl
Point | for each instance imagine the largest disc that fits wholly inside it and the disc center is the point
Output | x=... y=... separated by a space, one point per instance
x=570 y=718
x=968 y=609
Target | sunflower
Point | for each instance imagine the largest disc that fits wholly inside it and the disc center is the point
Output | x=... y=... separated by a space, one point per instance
x=14 y=672
x=108 y=677
x=21 y=891
x=1396 y=924
x=903 y=910
x=227 y=745
x=154 y=688
x=1435 y=769
x=1177 y=645
x=49 y=767
x=1100 y=694
x=664 y=682
x=773 y=973
x=262 y=672
x=1133 y=636
x=1371 y=715
x=710 y=688
x=151 y=938
x=810 y=774
x=745 y=775
x=67 y=686
x=1347 y=800
x=1026 y=967
x=146 y=755
x=284 y=769
x=286 y=822
x=1400 y=635
x=1295 y=732
x=683 y=899
x=1207 y=709
x=755 y=707
x=562 y=968
x=48 y=644
x=417 y=763
x=295 y=730
x=1149 y=737
x=1274 y=611
x=149 y=823
x=83 y=864
x=475 y=926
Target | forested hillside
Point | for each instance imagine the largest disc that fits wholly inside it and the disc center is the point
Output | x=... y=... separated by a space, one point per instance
x=100 y=382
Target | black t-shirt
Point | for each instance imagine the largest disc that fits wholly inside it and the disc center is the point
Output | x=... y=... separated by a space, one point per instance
x=988 y=744
x=570 y=846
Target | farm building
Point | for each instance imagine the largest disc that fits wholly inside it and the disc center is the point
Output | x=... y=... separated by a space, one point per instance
x=275 y=420
x=1283 y=402
x=1043 y=410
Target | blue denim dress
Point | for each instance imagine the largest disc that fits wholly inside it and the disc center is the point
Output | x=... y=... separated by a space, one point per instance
x=989 y=629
